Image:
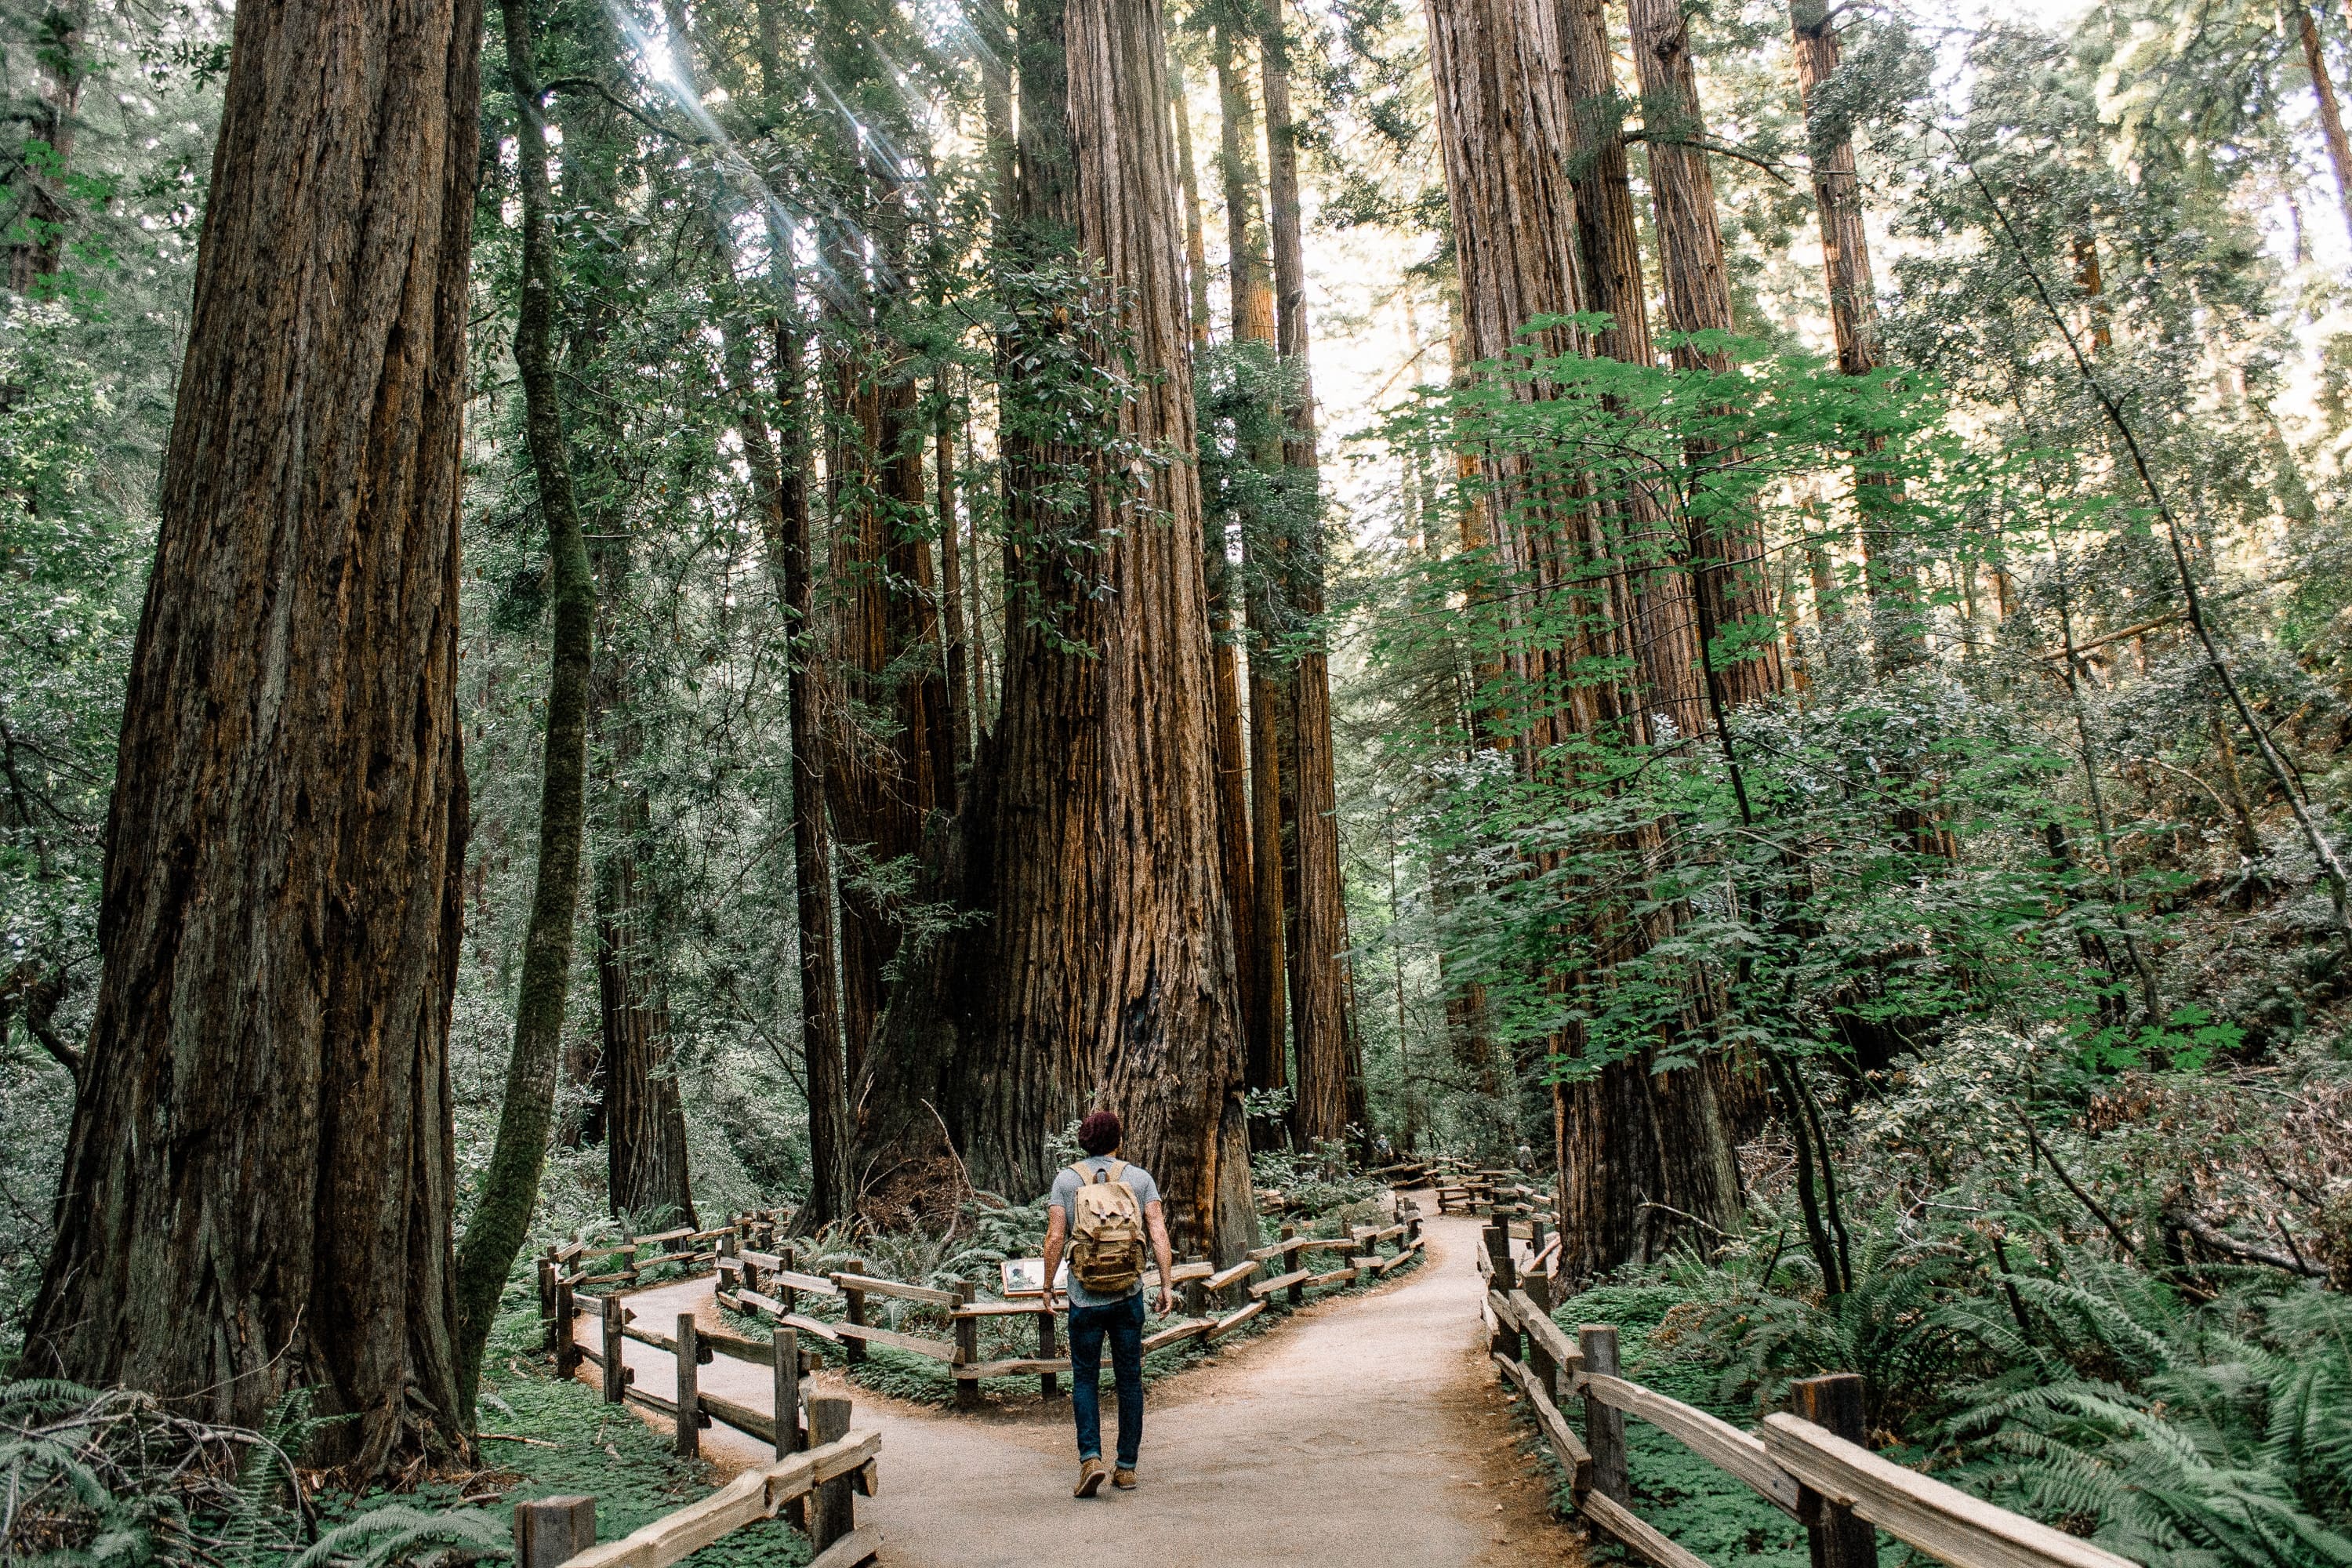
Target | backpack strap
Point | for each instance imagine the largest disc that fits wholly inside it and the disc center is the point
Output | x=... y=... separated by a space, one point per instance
x=1116 y=1171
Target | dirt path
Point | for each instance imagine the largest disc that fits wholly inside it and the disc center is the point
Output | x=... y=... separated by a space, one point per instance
x=1368 y=1432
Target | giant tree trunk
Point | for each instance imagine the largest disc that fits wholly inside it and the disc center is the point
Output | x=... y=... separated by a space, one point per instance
x=1898 y=639
x=258 y=1187
x=1259 y=926
x=1330 y=1093
x=1729 y=561
x=1507 y=126
x=1104 y=974
x=644 y=1120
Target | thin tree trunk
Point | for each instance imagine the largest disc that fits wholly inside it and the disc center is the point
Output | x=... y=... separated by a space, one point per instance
x=825 y=1071
x=1187 y=180
x=510 y=1184
x=258 y=1186
x=1330 y=1096
x=961 y=703
x=645 y=1118
x=1898 y=638
x=1104 y=973
x=2331 y=117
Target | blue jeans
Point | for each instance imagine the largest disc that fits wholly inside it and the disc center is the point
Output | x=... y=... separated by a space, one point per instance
x=1123 y=1321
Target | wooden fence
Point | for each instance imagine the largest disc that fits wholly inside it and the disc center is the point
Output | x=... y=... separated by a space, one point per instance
x=1809 y=1464
x=816 y=1483
x=753 y=1273
x=1213 y=1301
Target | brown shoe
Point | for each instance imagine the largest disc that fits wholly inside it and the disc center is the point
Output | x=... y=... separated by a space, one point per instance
x=1090 y=1478
x=1123 y=1480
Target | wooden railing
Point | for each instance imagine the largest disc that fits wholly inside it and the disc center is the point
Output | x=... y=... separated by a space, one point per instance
x=816 y=1484
x=1812 y=1464
x=1213 y=1301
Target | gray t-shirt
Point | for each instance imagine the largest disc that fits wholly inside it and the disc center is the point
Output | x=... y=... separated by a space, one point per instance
x=1064 y=1196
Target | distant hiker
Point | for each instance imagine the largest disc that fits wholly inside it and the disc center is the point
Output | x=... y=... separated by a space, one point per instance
x=1104 y=1209
x=1380 y=1147
x=1527 y=1157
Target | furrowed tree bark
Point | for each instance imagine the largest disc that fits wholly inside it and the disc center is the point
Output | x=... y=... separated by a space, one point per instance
x=1104 y=973
x=962 y=706
x=1330 y=1095
x=1729 y=577
x=257 y=1193
x=1899 y=639
x=511 y=1184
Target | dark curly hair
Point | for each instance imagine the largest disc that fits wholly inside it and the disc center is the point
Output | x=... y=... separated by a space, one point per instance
x=1099 y=1133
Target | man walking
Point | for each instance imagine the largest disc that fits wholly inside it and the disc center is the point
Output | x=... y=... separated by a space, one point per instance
x=1102 y=1209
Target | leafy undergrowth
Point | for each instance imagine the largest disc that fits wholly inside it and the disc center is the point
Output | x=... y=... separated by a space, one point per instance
x=1695 y=1505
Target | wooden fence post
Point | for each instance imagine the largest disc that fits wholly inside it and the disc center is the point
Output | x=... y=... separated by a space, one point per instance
x=833 y=1512
x=615 y=1372
x=1049 y=1385
x=785 y=1350
x=1297 y=1294
x=1499 y=1253
x=1604 y=1429
x=689 y=1392
x=853 y=1310
x=550 y=1530
x=1196 y=1296
x=785 y=1294
x=546 y=1297
x=967 y=1349
x=567 y=1349
x=1839 y=1540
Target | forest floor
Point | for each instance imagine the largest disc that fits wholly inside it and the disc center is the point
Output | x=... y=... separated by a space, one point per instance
x=1366 y=1432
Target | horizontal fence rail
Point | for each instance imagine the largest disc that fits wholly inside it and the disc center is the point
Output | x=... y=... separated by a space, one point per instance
x=1811 y=1465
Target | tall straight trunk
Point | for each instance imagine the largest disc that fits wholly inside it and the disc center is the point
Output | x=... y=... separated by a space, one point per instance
x=1103 y=973
x=1727 y=562
x=510 y=1184
x=1247 y=273
x=2331 y=117
x=1261 y=933
x=43 y=212
x=1330 y=1093
x=258 y=1186
x=1899 y=639
x=645 y=1118
x=1188 y=180
x=961 y=707
x=1506 y=124
x=1609 y=254
x=824 y=1068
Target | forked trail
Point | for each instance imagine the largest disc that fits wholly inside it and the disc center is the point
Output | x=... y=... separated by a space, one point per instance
x=1370 y=1432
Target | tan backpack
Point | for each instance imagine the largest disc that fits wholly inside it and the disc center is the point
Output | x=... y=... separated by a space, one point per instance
x=1106 y=1232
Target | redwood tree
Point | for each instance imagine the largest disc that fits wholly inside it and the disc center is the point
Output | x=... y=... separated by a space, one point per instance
x=1104 y=974
x=258 y=1188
